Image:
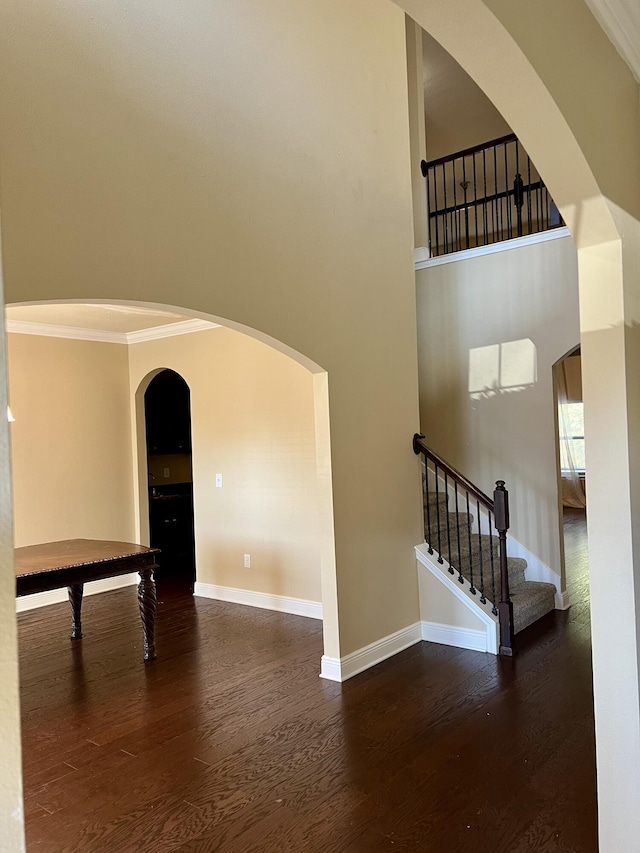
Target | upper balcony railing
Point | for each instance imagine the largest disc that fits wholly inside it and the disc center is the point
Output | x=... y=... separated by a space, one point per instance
x=485 y=195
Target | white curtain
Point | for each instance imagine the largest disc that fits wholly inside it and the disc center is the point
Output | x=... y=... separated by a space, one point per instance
x=572 y=485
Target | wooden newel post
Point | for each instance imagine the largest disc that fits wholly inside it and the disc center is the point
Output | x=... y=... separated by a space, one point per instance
x=505 y=607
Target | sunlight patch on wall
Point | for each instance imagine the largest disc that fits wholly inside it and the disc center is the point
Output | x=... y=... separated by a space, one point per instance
x=502 y=368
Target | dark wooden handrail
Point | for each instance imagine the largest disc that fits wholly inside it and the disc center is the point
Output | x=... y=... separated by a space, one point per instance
x=466 y=152
x=498 y=508
x=420 y=447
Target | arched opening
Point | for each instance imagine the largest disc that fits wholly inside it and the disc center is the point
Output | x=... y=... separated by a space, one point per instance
x=167 y=415
x=248 y=451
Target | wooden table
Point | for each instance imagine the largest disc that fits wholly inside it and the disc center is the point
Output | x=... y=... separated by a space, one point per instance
x=74 y=562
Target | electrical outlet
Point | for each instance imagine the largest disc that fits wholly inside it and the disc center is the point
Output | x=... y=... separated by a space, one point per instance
x=218 y=481
x=247 y=561
x=167 y=472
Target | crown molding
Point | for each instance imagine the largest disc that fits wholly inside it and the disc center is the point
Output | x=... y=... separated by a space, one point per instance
x=50 y=330
x=183 y=327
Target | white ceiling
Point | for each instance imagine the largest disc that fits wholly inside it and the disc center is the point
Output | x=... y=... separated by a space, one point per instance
x=114 y=323
x=106 y=318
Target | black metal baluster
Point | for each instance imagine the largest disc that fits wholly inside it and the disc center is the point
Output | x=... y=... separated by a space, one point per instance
x=435 y=473
x=428 y=514
x=495 y=182
x=494 y=609
x=472 y=588
x=529 y=191
x=457 y=523
x=517 y=192
x=465 y=184
x=446 y=510
x=446 y=229
x=506 y=186
x=437 y=210
x=484 y=199
x=475 y=199
x=469 y=538
x=456 y=239
x=481 y=557
x=425 y=172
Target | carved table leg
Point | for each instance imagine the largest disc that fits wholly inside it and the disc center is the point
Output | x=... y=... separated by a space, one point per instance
x=75 y=600
x=147 y=602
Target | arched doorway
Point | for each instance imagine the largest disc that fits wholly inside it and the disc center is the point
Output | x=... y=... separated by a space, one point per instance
x=167 y=404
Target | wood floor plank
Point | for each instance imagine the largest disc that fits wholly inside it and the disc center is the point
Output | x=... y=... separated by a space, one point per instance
x=230 y=742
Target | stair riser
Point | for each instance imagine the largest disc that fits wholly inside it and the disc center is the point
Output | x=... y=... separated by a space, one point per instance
x=531 y=600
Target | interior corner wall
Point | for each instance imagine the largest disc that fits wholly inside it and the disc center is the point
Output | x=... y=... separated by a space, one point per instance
x=70 y=443
x=467 y=311
x=252 y=420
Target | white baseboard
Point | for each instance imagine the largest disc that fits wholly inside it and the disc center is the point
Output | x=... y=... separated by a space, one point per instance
x=470 y=601
x=266 y=601
x=563 y=600
x=56 y=596
x=461 y=638
x=340 y=669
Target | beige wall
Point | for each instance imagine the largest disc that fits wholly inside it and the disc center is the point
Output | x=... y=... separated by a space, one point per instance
x=223 y=165
x=500 y=426
x=252 y=420
x=70 y=443
x=458 y=114
x=438 y=605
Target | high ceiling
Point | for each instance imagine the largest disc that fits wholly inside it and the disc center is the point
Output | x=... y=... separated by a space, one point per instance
x=458 y=114
x=620 y=19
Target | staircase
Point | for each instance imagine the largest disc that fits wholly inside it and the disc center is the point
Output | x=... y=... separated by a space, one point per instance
x=466 y=534
x=472 y=556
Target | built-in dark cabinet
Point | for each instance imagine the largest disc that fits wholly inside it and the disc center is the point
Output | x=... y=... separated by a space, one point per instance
x=168 y=415
x=171 y=528
x=168 y=430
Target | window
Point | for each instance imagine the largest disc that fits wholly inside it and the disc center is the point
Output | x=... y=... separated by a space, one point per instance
x=572 y=419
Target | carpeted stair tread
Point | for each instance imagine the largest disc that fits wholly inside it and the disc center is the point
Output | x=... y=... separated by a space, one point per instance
x=531 y=599
x=464 y=521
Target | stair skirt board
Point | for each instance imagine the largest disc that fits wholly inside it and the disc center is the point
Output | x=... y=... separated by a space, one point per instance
x=461 y=591
x=340 y=669
x=57 y=596
x=263 y=600
x=461 y=638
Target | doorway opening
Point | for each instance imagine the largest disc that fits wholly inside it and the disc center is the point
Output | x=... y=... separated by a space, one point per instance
x=572 y=472
x=167 y=412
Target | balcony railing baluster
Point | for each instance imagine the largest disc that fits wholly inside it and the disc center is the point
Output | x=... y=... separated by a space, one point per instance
x=501 y=205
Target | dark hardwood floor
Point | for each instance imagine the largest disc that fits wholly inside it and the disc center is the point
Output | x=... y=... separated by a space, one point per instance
x=231 y=742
